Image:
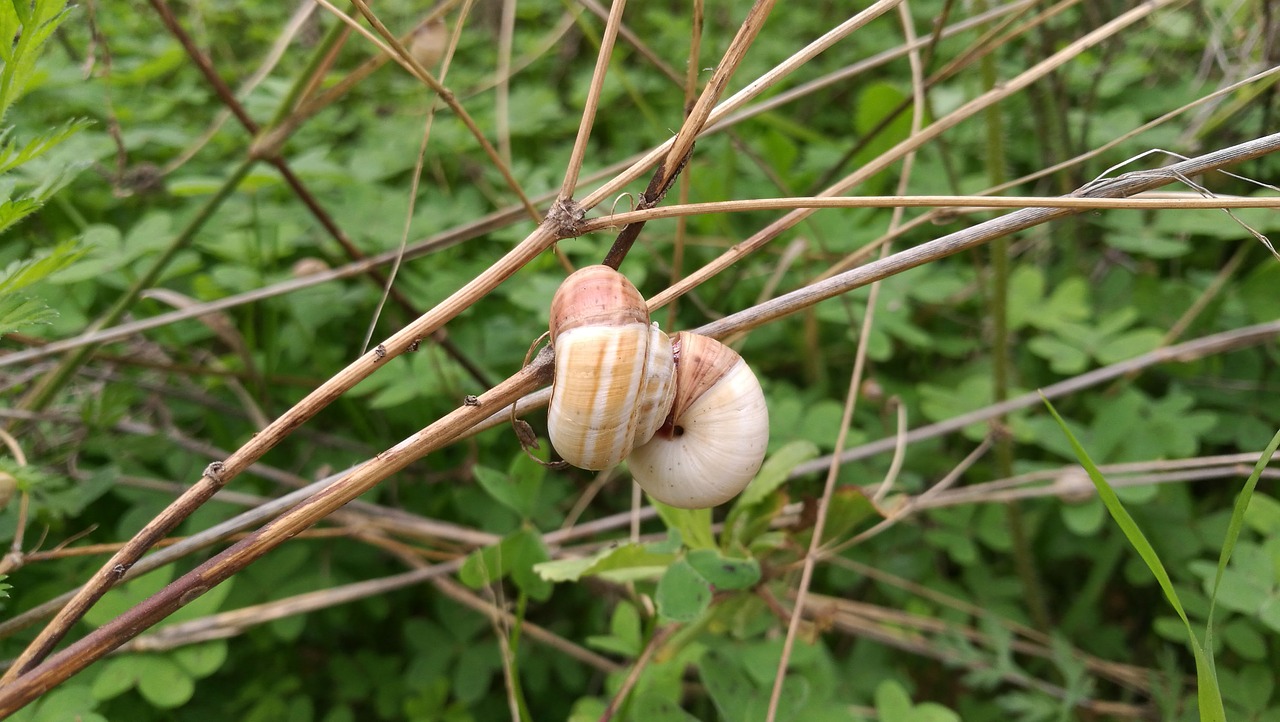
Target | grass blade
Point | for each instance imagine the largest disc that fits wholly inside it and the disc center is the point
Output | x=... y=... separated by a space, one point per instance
x=1210 y=696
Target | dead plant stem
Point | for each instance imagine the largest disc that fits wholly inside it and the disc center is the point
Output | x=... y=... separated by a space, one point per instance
x=914 y=142
x=592 y=104
x=851 y=396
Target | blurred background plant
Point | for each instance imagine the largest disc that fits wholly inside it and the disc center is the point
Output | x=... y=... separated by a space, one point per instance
x=1001 y=593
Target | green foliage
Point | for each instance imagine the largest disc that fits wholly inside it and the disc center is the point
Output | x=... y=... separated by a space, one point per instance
x=17 y=310
x=1210 y=696
x=922 y=620
x=893 y=704
x=30 y=25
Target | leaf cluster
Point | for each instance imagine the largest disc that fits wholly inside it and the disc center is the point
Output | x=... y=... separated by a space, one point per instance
x=927 y=617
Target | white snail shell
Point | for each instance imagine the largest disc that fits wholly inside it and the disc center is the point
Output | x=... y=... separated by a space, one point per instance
x=688 y=412
x=714 y=440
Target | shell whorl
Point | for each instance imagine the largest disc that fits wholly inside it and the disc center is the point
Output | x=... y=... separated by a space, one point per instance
x=596 y=296
x=714 y=440
x=686 y=411
x=615 y=376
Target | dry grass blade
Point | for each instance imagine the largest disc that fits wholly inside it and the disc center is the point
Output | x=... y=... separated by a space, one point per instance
x=1125 y=185
x=450 y=427
x=382 y=532
x=592 y=104
x=893 y=155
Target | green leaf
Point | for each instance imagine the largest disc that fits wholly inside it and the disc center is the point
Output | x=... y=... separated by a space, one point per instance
x=625 y=625
x=739 y=698
x=1149 y=243
x=474 y=670
x=874 y=110
x=19 y=311
x=118 y=675
x=893 y=704
x=1233 y=535
x=624 y=557
x=1128 y=345
x=163 y=683
x=1263 y=515
x=40 y=266
x=501 y=488
x=655 y=708
x=683 y=594
x=1246 y=640
x=625 y=637
x=1028 y=306
x=519 y=489
x=1084 y=519
x=69 y=702
x=38 y=20
x=516 y=556
x=724 y=573
x=849 y=507
x=694 y=525
x=201 y=660
x=1209 y=695
x=11 y=156
x=1064 y=357
x=773 y=472
x=527 y=551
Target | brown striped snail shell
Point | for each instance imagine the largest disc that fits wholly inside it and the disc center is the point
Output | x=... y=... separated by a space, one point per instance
x=687 y=412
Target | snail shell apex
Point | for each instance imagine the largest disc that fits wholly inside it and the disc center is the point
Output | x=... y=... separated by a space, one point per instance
x=596 y=296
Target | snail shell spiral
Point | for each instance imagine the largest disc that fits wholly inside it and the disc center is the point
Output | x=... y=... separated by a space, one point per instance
x=615 y=375
x=687 y=412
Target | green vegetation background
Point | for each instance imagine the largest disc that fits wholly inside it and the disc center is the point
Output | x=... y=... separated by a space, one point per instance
x=95 y=193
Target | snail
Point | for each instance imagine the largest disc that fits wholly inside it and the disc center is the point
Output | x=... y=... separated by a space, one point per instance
x=687 y=412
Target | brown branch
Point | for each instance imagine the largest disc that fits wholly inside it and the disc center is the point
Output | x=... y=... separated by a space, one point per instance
x=682 y=146
x=218 y=473
x=228 y=98
x=915 y=141
x=1125 y=185
x=221 y=567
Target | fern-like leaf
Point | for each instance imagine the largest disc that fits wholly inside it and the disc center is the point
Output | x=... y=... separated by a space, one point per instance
x=11 y=156
x=28 y=271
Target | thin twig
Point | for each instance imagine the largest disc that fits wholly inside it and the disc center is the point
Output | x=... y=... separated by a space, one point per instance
x=406 y=59
x=851 y=396
x=1165 y=201
x=914 y=142
x=592 y=103
x=60 y=666
x=1184 y=352
x=681 y=147
x=658 y=639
